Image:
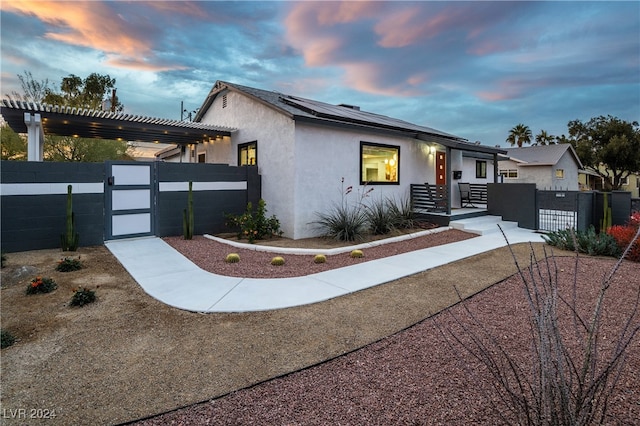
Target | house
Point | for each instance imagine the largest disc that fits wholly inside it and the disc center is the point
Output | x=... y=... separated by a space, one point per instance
x=308 y=152
x=548 y=166
x=592 y=180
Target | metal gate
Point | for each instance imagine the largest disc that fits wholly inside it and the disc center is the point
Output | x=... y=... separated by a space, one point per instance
x=130 y=198
x=557 y=210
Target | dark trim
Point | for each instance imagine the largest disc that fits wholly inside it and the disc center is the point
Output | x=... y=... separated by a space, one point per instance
x=247 y=144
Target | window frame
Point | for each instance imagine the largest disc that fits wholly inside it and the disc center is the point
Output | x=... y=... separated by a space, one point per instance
x=506 y=172
x=559 y=173
x=482 y=170
x=246 y=146
x=364 y=144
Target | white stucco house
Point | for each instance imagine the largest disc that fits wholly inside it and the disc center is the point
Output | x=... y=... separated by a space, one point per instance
x=307 y=152
x=552 y=167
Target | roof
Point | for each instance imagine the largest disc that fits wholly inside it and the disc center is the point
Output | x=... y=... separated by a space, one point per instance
x=85 y=123
x=542 y=155
x=302 y=109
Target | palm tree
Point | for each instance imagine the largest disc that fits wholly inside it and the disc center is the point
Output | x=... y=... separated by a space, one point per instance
x=519 y=134
x=544 y=138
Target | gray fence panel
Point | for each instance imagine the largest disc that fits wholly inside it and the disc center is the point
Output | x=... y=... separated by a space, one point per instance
x=514 y=202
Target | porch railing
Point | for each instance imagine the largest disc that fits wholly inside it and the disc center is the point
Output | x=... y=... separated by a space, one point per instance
x=429 y=198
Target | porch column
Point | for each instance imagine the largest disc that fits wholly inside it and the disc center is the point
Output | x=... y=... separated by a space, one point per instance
x=35 y=137
x=449 y=178
x=495 y=168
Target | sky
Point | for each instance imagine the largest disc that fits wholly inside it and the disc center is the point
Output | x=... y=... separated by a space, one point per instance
x=472 y=69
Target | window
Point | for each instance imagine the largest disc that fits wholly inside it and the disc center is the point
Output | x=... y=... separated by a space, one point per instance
x=379 y=164
x=202 y=157
x=248 y=154
x=481 y=169
x=509 y=173
x=559 y=173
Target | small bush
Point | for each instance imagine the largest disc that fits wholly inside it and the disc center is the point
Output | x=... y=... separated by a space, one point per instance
x=623 y=235
x=69 y=265
x=255 y=225
x=41 y=285
x=380 y=217
x=584 y=242
x=277 y=261
x=356 y=254
x=83 y=296
x=232 y=258
x=343 y=223
x=6 y=339
x=320 y=258
x=402 y=212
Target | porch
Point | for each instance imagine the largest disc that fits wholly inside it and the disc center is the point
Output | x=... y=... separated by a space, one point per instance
x=432 y=203
x=444 y=218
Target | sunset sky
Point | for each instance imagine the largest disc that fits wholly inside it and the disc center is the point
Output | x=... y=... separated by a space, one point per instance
x=474 y=69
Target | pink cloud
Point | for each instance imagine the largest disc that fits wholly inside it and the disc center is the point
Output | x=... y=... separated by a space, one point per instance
x=93 y=25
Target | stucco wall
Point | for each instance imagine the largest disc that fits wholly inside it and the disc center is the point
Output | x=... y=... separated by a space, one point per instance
x=545 y=176
x=570 y=181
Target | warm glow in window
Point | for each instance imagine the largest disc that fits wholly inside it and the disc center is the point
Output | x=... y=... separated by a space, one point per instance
x=560 y=173
x=481 y=169
x=509 y=173
x=379 y=163
x=248 y=154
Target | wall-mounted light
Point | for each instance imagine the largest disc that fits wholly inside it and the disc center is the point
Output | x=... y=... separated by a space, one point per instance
x=432 y=150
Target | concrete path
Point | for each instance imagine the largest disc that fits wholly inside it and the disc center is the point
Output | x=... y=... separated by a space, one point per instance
x=171 y=278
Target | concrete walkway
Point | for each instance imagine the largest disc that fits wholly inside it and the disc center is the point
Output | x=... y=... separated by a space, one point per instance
x=171 y=278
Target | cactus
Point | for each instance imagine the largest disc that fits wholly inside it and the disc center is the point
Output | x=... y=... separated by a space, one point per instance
x=605 y=222
x=187 y=215
x=232 y=258
x=320 y=258
x=277 y=261
x=69 y=240
x=356 y=254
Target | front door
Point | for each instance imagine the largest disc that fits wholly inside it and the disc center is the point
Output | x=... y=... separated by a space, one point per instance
x=129 y=200
x=441 y=168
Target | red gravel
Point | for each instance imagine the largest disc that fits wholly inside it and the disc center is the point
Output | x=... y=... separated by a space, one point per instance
x=210 y=256
x=417 y=376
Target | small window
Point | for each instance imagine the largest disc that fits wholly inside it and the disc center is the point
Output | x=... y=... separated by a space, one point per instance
x=202 y=157
x=509 y=173
x=559 y=173
x=379 y=164
x=481 y=169
x=248 y=154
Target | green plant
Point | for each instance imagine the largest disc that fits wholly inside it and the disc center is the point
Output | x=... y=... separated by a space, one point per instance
x=605 y=222
x=68 y=265
x=319 y=258
x=356 y=254
x=380 y=218
x=255 y=225
x=402 y=212
x=6 y=339
x=187 y=215
x=232 y=258
x=83 y=296
x=588 y=242
x=70 y=239
x=277 y=261
x=41 y=285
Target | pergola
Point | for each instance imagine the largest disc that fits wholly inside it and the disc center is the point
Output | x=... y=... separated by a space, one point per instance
x=38 y=120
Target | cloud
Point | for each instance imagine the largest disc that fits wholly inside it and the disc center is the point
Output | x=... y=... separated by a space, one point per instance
x=97 y=25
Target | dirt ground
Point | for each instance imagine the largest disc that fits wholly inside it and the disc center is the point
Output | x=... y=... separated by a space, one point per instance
x=129 y=356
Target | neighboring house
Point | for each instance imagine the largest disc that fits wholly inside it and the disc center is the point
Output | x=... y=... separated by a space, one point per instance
x=592 y=180
x=309 y=152
x=548 y=166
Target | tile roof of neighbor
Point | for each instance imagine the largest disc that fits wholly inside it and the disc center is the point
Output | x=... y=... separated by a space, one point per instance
x=306 y=109
x=543 y=155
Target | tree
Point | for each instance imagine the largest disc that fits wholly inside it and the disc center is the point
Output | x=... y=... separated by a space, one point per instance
x=74 y=92
x=519 y=135
x=544 y=138
x=14 y=146
x=32 y=90
x=608 y=146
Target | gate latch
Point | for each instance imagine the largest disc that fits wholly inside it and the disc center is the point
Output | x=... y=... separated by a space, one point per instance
x=110 y=180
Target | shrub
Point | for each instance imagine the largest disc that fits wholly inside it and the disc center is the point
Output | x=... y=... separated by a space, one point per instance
x=83 y=296
x=6 y=339
x=624 y=235
x=356 y=254
x=41 y=285
x=583 y=242
x=69 y=265
x=402 y=212
x=320 y=258
x=380 y=217
x=343 y=223
x=277 y=261
x=232 y=258
x=255 y=225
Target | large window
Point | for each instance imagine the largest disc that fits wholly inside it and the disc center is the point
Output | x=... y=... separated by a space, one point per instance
x=509 y=173
x=248 y=154
x=379 y=164
x=481 y=169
